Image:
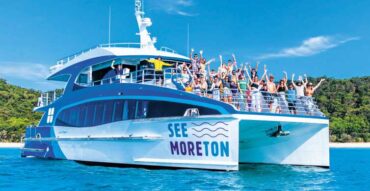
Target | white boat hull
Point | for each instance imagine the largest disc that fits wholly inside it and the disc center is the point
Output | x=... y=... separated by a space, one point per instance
x=207 y=142
x=306 y=142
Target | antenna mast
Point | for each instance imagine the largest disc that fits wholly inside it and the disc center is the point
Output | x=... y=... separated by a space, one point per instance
x=109 y=26
x=145 y=40
x=188 y=41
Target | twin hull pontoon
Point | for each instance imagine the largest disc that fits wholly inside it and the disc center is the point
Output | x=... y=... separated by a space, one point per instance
x=134 y=120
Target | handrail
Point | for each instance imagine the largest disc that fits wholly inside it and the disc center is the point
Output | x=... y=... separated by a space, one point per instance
x=122 y=45
x=49 y=97
x=249 y=101
x=125 y=45
x=166 y=49
x=73 y=56
x=262 y=101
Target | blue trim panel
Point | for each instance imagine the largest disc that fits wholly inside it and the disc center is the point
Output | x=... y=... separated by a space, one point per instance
x=280 y=115
x=53 y=151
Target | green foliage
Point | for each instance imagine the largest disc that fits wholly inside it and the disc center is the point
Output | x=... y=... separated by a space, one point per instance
x=347 y=104
x=16 y=106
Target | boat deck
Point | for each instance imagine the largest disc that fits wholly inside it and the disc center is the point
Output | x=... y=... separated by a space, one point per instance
x=248 y=101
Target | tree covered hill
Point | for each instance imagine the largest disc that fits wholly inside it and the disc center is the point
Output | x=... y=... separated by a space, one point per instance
x=16 y=106
x=345 y=101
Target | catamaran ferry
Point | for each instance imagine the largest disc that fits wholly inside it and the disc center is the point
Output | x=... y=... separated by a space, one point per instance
x=121 y=108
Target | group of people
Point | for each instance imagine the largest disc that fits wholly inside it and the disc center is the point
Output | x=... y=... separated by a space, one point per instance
x=239 y=86
x=244 y=88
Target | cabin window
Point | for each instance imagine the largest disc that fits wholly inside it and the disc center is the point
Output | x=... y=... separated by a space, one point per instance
x=108 y=112
x=142 y=109
x=131 y=109
x=90 y=114
x=118 y=110
x=99 y=110
x=82 y=116
x=82 y=79
x=103 y=112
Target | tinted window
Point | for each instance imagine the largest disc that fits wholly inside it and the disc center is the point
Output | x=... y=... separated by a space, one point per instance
x=142 y=109
x=161 y=109
x=82 y=116
x=90 y=114
x=118 y=110
x=131 y=109
x=108 y=112
x=99 y=110
x=103 y=112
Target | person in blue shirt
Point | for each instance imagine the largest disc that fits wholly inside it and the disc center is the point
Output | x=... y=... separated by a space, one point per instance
x=291 y=98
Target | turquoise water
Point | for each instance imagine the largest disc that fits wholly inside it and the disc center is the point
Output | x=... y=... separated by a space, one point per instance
x=350 y=170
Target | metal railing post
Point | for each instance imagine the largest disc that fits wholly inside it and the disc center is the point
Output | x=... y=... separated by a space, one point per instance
x=47 y=98
x=142 y=77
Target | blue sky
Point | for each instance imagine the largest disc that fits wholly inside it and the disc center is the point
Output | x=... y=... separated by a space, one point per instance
x=318 y=38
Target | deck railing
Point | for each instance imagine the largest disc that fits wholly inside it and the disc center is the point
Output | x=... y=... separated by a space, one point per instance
x=66 y=59
x=49 y=97
x=262 y=101
x=249 y=101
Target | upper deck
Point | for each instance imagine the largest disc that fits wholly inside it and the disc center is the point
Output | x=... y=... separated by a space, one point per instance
x=247 y=101
x=113 y=50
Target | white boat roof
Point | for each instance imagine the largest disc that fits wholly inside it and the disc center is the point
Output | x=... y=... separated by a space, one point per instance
x=114 y=50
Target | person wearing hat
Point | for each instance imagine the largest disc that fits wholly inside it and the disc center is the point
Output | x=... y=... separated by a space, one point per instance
x=299 y=87
x=310 y=90
x=310 y=105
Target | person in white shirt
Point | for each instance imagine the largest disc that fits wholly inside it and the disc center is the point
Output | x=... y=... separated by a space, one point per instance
x=299 y=87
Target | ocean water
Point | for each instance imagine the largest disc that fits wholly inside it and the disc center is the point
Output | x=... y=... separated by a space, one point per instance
x=350 y=170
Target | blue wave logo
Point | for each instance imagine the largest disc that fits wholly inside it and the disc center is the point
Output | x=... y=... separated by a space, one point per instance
x=210 y=132
x=218 y=122
x=212 y=136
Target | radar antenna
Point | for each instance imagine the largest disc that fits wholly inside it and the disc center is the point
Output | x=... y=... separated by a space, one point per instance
x=145 y=40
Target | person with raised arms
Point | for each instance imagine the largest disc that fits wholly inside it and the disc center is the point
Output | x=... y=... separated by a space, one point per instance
x=222 y=70
x=158 y=68
x=271 y=96
x=281 y=89
x=253 y=70
x=309 y=91
x=195 y=62
x=231 y=64
x=299 y=87
x=256 y=94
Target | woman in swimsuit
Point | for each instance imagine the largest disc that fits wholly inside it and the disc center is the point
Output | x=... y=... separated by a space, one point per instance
x=310 y=90
x=281 y=89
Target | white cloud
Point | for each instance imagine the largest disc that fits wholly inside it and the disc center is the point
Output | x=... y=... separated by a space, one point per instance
x=30 y=75
x=311 y=46
x=175 y=7
x=23 y=70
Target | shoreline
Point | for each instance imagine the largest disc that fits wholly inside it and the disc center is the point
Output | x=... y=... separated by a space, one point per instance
x=350 y=145
x=331 y=145
x=11 y=145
